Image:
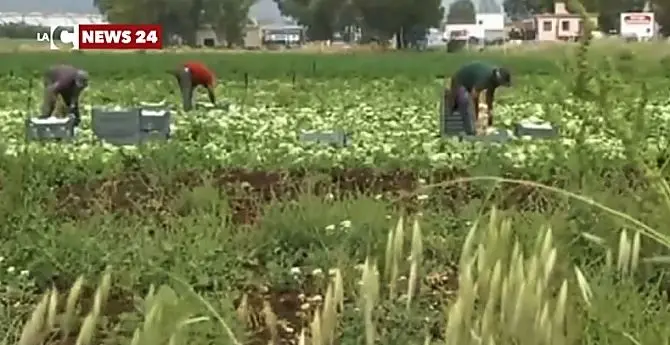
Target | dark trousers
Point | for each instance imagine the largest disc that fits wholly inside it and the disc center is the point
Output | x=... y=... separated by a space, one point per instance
x=70 y=98
x=186 y=86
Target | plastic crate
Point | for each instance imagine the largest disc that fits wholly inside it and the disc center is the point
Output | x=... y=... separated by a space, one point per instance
x=536 y=130
x=154 y=106
x=155 y=120
x=130 y=126
x=454 y=123
x=117 y=126
x=51 y=128
x=493 y=136
x=210 y=106
x=335 y=138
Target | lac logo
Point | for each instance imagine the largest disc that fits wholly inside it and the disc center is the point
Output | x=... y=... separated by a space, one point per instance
x=61 y=37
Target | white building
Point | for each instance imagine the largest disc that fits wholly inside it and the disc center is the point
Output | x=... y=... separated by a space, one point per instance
x=50 y=19
x=486 y=26
x=638 y=25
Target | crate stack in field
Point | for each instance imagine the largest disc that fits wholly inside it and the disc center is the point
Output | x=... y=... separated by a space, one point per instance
x=455 y=124
x=130 y=126
x=117 y=126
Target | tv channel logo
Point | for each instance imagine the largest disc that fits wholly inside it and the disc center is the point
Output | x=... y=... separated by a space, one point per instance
x=61 y=37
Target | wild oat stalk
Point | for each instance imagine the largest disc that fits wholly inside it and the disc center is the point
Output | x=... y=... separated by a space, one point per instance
x=45 y=320
x=415 y=261
x=369 y=295
x=506 y=296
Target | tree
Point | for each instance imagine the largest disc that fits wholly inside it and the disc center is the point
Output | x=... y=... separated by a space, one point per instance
x=229 y=18
x=489 y=6
x=522 y=9
x=379 y=20
x=461 y=12
x=609 y=12
x=181 y=17
x=322 y=18
x=662 y=10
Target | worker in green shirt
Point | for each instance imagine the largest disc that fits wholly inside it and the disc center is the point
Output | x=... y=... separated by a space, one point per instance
x=471 y=80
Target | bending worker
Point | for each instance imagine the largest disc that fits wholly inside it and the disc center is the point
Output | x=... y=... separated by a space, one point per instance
x=471 y=80
x=190 y=75
x=67 y=82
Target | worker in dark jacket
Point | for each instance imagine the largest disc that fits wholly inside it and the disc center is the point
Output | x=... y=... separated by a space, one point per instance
x=190 y=75
x=471 y=80
x=67 y=82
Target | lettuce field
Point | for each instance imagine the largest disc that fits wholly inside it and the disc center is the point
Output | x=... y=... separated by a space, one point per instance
x=236 y=232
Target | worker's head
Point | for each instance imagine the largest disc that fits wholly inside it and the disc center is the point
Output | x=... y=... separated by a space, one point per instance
x=81 y=79
x=502 y=76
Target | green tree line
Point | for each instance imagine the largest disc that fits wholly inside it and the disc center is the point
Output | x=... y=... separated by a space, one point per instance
x=376 y=20
x=379 y=20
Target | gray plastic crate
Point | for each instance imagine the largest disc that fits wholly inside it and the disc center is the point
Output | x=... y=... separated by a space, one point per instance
x=51 y=128
x=541 y=130
x=453 y=123
x=496 y=136
x=131 y=126
x=335 y=138
x=117 y=127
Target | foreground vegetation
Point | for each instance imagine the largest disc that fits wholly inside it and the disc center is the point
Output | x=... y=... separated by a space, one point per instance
x=235 y=232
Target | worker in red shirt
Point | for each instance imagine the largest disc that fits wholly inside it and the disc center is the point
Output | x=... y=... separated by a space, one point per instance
x=191 y=75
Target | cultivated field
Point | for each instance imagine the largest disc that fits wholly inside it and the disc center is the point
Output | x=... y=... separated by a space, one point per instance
x=235 y=232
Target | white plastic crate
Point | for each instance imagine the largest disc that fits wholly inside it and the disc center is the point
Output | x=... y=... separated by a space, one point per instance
x=535 y=129
x=155 y=120
x=210 y=106
x=493 y=135
x=51 y=128
x=154 y=105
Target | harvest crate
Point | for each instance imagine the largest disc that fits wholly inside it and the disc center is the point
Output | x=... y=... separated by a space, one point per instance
x=536 y=129
x=334 y=138
x=453 y=123
x=130 y=126
x=210 y=106
x=51 y=128
x=493 y=136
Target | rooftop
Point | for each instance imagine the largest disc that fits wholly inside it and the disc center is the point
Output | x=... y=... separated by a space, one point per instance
x=50 y=19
